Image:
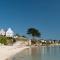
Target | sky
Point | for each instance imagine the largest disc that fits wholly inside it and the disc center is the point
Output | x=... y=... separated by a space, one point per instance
x=20 y=15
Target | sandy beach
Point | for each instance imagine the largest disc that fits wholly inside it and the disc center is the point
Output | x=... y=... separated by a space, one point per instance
x=8 y=51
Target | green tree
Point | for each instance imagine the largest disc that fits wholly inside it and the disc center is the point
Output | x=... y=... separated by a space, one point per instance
x=34 y=33
x=24 y=36
x=17 y=35
x=3 y=40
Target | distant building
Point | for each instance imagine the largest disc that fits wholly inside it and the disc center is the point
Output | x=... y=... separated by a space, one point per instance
x=29 y=42
x=2 y=32
x=9 y=33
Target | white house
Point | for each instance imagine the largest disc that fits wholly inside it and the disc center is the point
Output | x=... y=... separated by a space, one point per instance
x=2 y=32
x=9 y=32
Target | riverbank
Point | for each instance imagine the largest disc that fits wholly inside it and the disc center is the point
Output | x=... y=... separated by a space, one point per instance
x=7 y=52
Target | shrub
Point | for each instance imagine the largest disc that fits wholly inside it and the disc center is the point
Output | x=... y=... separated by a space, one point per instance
x=3 y=40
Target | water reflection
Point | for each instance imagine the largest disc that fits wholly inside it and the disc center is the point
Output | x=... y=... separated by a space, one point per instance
x=39 y=53
x=36 y=53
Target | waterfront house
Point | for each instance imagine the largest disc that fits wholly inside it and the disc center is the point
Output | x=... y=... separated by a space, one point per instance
x=2 y=32
x=9 y=33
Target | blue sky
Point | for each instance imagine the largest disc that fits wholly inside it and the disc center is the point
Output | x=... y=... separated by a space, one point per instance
x=22 y=14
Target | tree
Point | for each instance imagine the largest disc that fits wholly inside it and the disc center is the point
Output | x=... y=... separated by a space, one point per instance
x=24 y=36
x=33 y=32
x=3 y=40
x=17 y=35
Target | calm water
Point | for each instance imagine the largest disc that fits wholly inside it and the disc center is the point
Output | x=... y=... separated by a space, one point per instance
x=39 y=53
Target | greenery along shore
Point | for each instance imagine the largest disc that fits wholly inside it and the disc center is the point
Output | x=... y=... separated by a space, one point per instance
x=32 y=32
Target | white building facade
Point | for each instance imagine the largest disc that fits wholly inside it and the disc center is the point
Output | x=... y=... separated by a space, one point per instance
x=2 y=32
x=9 y=33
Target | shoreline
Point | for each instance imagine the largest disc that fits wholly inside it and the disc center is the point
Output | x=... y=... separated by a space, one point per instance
x=21 y=49
x=7 y=52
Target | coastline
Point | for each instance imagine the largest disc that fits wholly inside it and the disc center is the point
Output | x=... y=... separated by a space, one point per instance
x=7 y=52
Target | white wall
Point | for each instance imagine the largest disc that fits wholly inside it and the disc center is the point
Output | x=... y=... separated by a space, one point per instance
x=2 y=32
x=9 y=33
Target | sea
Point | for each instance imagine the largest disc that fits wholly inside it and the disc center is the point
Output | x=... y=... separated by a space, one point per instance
x=39 y=53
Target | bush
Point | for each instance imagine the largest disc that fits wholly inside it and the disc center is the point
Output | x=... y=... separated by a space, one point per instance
x=3 y=40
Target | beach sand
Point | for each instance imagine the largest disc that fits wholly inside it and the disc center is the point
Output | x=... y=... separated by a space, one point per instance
x=7 y=52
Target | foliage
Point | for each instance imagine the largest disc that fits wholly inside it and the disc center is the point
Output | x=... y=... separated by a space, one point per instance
x=33 y=41
x=6 y=40
x=33 y=32
x=18 y=35
x=24 y=36
x=3 y=40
